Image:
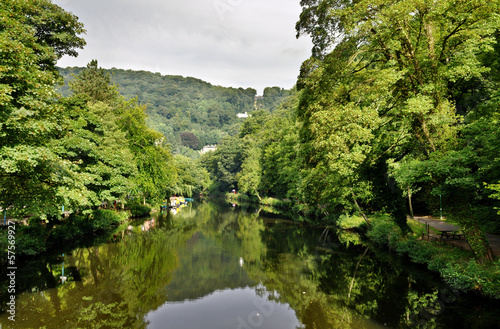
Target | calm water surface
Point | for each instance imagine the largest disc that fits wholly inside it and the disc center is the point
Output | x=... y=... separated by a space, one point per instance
x=215 y=267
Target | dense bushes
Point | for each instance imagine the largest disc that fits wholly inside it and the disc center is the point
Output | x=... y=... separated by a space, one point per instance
x=138 y=210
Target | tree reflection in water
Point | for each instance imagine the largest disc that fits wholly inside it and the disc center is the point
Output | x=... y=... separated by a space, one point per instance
x=210 y=255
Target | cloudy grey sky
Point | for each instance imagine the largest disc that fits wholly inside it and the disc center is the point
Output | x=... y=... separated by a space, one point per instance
x=232 y=43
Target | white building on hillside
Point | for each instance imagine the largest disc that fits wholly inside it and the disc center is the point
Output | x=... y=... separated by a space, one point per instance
x=208 y=148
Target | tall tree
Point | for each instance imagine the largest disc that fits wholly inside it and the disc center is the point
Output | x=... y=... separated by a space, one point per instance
x=95 y=84
x=34 y=35
x=397 y=62
x=98 y=146
x=155 y=176
x=156 y=171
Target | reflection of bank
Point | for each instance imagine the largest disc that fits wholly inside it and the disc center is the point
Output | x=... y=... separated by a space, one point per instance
x=147 y=225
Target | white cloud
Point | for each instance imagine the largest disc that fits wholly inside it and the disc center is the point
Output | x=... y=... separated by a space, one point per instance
x=238 y=43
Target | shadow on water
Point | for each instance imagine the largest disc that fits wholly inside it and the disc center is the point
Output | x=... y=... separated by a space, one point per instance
x=219 y=266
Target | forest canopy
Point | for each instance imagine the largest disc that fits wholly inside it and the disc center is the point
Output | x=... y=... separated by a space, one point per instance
x=179 y=107
x=399 y=99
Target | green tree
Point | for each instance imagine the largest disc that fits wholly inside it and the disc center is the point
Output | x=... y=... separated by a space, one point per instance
x=34 y=35
x=96 y=143
x=190 y=140
x=95 y=83
x=225 y=163
x=156 y=172
x=191 y=177
x=155 y=176
x=249 y=178
x=392 y=69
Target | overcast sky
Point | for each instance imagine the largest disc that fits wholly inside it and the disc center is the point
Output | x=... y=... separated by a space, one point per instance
x=232 y=43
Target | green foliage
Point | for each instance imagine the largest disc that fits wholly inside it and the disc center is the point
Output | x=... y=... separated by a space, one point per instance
x=94 y=141
x=190 y=140
x=37 y=238
x=474 y=276
x=105 y=219
x=138 y=210
x=383 y=232
x=249 y=177
x=417 y=252
x=30 y=240
x=388 y=85
x=178 y=105
x=192 y=178
x=455 y=266
x=225 y=163
x=95 y=84
x=273 y=202
x=156 y=171
x=346 y=222
x=101 y=315
x=273 y=97
x=423 y=303
x=79 y=227
x=121 y=152
x=33 y=178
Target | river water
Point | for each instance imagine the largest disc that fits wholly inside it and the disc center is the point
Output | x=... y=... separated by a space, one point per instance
x=215 y=266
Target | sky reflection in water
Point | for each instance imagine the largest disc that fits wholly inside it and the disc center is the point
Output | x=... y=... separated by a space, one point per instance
x=231 y=309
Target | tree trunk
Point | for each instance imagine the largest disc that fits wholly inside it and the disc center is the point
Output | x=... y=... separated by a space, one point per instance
x=359 y=208
x=409 y=202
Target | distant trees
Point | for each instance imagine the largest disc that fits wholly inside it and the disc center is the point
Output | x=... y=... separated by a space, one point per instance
x=177 y=105
x=190 y=140
x=273 y=96
x=262 y=159
x=192 y=178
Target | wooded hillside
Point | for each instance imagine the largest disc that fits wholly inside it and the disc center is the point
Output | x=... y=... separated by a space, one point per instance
x=190 y=112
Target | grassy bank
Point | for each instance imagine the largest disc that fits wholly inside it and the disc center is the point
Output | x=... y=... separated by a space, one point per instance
x=457 y=267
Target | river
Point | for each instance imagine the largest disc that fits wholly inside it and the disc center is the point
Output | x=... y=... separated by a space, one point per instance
x=213 y=266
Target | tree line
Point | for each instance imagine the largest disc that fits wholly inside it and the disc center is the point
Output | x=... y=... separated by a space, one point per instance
x=189 y=112
x=397 y=106
x=78 y=151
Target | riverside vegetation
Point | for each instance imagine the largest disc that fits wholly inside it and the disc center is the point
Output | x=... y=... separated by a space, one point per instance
x=396 y=111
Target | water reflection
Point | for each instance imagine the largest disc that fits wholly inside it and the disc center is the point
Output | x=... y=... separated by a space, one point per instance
x=214 y=266
x=240 y=308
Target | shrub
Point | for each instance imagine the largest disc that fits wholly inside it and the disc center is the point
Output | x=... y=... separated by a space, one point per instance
x=455 y=266
x=276 y=202
x=104 y=219
x=138 y=210
x=384 y=232
x=347 y=222
x=29 y=240
x=417 y=253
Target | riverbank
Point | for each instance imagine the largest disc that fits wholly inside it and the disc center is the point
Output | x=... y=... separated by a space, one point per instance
x=441 y=225
x=456 y=266
x=37 y=237
x=244 y=269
